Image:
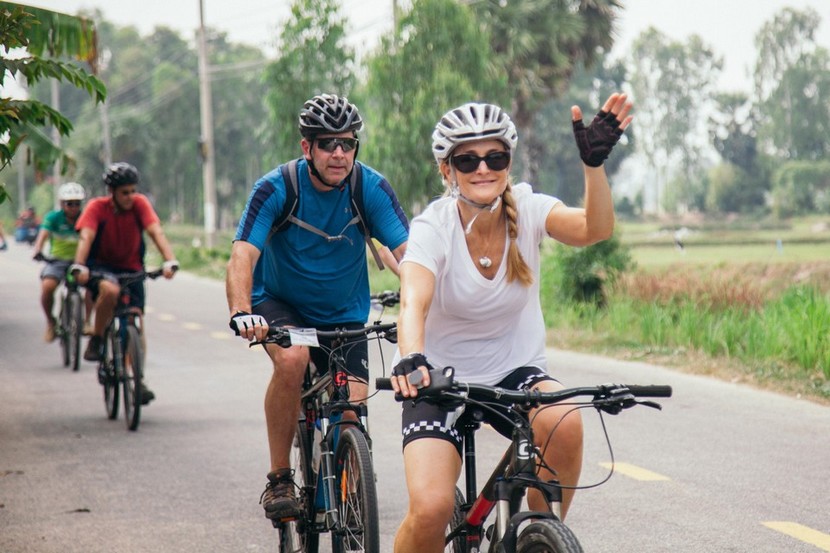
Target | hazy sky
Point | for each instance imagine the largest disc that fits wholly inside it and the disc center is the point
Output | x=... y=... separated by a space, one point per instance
x=728 y=26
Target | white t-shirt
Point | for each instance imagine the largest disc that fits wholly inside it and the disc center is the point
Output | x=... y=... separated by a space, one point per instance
x=483 y=328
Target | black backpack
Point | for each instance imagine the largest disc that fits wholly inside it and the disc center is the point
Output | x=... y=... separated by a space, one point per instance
x=292 y=204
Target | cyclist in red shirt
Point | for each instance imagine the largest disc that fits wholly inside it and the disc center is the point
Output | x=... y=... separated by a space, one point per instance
x=112 y=241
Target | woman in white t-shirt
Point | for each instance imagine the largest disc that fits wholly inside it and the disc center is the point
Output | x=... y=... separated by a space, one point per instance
x=470 y=297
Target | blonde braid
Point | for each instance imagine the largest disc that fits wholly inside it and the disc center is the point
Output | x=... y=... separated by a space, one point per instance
x=517 y=269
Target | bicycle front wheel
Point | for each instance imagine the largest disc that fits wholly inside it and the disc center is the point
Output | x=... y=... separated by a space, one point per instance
x=132 y=365
x=61 y=331
x=109 y=370
x=74 y=329
x=547 y=536
x=457 y=545
x=356 y=501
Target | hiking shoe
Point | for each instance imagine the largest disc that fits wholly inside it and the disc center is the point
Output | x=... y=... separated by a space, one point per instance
x=93 y=349
x=147 y=394
x=278 y=499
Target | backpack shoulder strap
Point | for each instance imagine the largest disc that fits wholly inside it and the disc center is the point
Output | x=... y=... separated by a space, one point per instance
x=292 y=196
x=358 y=210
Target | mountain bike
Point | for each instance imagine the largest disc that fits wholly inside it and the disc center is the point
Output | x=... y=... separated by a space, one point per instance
x=122 y=361
x=512 y=529
x=332 y=454
x=70 y=322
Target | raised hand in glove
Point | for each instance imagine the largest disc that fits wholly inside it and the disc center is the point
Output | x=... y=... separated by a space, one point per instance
x=596 y=141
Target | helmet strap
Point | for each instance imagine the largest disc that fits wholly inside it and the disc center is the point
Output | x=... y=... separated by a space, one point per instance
x=491 y=207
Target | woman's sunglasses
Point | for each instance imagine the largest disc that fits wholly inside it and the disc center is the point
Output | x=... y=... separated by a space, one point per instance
x=331 y=144
x=469 y=163
x=72 y=204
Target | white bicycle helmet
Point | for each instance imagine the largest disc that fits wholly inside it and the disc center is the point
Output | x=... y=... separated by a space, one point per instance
x=329 y=114
x=469 y=123
x=71 y=191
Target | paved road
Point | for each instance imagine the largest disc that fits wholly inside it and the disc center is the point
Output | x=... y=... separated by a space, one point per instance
x=720 y=462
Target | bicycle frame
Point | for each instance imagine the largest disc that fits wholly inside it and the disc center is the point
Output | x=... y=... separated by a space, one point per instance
x=336 y=476
x=503 y=492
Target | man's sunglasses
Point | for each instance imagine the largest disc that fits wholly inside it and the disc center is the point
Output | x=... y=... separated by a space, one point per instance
x=469 y=163
x=331 y=144
x=72 y=204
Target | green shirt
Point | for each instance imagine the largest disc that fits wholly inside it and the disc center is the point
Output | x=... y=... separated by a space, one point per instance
x=63 y=238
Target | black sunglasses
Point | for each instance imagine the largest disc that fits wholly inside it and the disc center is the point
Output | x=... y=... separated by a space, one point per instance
x=72 y=204
x=331 y=144
x=469 y=163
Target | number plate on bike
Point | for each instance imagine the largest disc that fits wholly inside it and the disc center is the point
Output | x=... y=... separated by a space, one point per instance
x=303 y=337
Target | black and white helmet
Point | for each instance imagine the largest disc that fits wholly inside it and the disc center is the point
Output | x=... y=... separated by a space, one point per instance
x=120 y=174
x=329 y=114
x=469 y=123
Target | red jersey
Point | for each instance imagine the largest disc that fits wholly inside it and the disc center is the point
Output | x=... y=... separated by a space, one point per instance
x=119 y=238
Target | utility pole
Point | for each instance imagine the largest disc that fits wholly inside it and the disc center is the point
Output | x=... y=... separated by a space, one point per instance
x=56 y=139
x=206 y=142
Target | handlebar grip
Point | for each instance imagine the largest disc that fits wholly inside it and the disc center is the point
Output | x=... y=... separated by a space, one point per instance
x=383 y=384
x=650 y=391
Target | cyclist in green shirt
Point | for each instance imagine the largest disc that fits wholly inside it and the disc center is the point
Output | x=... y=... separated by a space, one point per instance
x=58 y=228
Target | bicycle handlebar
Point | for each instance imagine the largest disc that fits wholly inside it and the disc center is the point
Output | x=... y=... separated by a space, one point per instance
x=288 y=336
x=610 y=397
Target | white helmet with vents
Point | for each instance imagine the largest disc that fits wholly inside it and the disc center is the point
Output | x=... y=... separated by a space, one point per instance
x=469 y=123
x=71 y=191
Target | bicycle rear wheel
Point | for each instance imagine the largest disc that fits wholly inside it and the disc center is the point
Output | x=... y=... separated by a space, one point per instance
x=299 y=536
x=132 y=365
x=547 y=536
x=74 y=329
x=109 y=370
x=356 y=500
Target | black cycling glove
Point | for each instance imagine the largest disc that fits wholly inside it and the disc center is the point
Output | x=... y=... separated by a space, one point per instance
x=597 y=140
x=409 y=364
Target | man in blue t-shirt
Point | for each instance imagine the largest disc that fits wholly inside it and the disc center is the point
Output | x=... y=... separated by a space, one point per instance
x=312 y=272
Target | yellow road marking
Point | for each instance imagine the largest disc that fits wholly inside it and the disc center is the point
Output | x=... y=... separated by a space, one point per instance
x=166 y=317
x=193 y=326
x=221 y=335
x=802 y=533
x=635 y=472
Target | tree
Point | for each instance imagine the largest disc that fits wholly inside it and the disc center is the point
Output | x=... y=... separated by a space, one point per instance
x=673 y=83
x=436 y=59
x=792 y=84
x=538 y=46
x=45 y=35
x=314 y=59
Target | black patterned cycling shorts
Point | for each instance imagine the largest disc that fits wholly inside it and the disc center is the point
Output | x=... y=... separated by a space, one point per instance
x=427 y=420
x=356 y=353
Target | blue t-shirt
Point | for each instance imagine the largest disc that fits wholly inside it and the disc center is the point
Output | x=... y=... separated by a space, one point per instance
x=327 y=282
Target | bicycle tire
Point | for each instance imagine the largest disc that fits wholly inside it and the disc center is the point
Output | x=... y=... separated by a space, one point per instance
x=547 y=536
x=457 y=545
x=74 y=330
x=111 y=371
x=356 y=500
x=132 y=363
x=62 y=328
x=299 y=536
